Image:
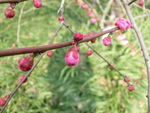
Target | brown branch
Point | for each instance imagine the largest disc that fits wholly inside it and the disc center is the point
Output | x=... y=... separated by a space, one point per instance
x=142 y=45
x=132 y=2
x=11 y=1
x=41 y=49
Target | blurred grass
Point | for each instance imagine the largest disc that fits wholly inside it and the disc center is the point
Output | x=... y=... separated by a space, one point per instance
x=53 y=87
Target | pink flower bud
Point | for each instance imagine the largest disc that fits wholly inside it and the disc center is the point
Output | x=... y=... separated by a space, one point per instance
x=3 y=101
x=22 y=79
x=126 y=79
x=89 y=52
x=37 y=3
x=78 y=36
x=61 y=18
x=14 y=45
x=93 y=20
x=90 y=12
x=111 y=67
x=107 y=41
x=26 y=63
x=141 y=2
x=93 y=40
x=84 y=6
x=50 y=53
x=12 y=5
x=131 y=88
x=9 y=13
x=123 y=24
x=72 y=56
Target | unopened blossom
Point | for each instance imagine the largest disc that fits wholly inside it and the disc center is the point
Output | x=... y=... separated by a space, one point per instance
x=123 y=24
x=26 y=63
x=84 y=6
x=37 y=3
x=72 y=56
x=107 y=41
x=93 y=20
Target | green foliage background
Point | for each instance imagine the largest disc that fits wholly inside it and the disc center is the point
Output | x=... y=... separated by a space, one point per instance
x=53 y=87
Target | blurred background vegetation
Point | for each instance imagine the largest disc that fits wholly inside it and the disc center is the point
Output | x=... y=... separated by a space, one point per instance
x=89 y=87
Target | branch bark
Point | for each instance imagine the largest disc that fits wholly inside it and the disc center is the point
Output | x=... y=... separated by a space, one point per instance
x=41 y=49
x=11 y=1
x=142 y=45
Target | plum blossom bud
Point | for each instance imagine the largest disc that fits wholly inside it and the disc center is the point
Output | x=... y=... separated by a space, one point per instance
x=61 y=18
x=90 y=12
x=50 y=53
x=3 y=100
x=123 y=24
x=37 y=3
x=12 y=5
x=9 y=13
x=26 y=63
x=22 y=79
x=131 y=88
x=107 y=41
x=111 y=67
x=78 y=36
x=93 y=20
x=141 y=2
x=72 y=56
x=126 y=79
x=84 y=6
x=89 y=52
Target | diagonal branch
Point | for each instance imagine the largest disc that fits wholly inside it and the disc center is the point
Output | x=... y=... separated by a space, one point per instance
x=132 y=2
x=142 y=45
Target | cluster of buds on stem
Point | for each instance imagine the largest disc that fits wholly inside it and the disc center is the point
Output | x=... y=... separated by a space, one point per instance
x=3 y=100
x=130 y=86
x=107 y=41
x=10 y=12
x=141 y=2
x=90 y=12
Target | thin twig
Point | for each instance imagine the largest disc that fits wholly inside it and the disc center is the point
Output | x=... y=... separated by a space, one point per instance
x=132 y=2
x=142 y=46
x=104 y=59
